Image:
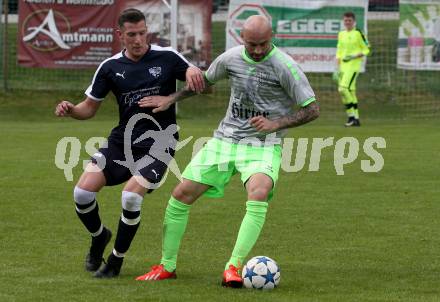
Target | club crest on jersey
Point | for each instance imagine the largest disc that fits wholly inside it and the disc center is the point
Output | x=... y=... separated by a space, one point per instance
x=155 y=71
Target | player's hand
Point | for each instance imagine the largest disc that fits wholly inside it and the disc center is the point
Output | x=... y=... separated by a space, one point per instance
x=349 y=58
x=335 y=76
x=64 y=109
x=194 y=79
x=157 y=102
x=262 y=124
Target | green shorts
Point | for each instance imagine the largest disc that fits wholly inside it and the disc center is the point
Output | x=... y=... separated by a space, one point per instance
x=219 y=160
x=347 y=79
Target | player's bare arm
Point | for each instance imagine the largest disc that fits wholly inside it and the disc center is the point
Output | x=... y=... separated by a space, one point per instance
x=302 y=116
x=82 y=111
x=162 y=103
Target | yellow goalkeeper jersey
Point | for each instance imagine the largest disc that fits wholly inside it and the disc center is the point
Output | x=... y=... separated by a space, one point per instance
x=351 y=43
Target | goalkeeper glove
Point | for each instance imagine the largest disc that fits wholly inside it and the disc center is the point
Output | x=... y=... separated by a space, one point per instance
x=436 y=52
x=348 y=58
x=335 y=76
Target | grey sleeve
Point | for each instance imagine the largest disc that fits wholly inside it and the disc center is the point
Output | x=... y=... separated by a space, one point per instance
x=296 y=85
x=217 y=69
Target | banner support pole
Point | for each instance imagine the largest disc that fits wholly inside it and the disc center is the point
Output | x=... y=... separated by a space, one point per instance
x=173 y=33
x=5 y=45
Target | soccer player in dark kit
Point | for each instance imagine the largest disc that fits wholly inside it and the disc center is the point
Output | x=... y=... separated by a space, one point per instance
x=138 y=71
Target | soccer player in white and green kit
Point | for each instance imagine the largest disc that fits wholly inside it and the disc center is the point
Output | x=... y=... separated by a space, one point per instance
x=352 y=48
x=265 y=83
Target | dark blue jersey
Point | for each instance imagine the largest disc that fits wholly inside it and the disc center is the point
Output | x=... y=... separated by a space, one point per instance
x=154 y=74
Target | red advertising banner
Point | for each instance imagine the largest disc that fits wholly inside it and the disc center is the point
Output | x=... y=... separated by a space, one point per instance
x=193 y=30
x=66 y=33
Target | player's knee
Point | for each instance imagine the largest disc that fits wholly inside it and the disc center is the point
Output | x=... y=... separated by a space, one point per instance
x=260 y=194
x=83 y=197
x=343 y=90
x=183 y=194
x=131 y=201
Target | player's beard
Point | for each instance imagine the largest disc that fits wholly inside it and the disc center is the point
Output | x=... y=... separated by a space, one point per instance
x=138 y=51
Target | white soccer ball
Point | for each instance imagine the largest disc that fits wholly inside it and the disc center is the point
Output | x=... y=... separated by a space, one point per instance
x=261 y=272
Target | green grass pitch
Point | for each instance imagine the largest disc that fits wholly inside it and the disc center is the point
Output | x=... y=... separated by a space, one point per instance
x=357 y=237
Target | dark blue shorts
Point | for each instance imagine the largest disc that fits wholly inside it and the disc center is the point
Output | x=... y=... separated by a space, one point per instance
x=113 y=162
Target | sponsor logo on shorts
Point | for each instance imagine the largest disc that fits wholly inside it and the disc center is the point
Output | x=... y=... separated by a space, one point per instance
x=97 y=154
x=155 y=173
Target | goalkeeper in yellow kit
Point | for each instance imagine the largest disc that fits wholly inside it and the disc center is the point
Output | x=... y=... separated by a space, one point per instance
x=352 y=47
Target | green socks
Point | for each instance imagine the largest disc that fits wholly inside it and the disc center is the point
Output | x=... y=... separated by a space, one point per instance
x=249 y=232
x=176 y=219
x=174 y=225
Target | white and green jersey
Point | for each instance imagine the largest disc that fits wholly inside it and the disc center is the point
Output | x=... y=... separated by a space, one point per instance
x=270 y=87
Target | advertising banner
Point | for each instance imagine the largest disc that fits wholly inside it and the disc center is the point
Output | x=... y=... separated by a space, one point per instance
x=419 y=35
x=66 y=33
x=306 y=30
x=193 y=30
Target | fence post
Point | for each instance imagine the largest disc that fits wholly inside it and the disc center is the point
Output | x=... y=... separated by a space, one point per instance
x=1 y=38
x=173 y=34
x=5 y=45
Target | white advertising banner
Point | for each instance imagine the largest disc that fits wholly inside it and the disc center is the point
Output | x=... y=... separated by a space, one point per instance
x=306 y=30
x=419 y=35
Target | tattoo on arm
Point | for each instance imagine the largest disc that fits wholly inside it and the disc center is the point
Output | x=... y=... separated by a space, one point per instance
x=185 y=93
x=182 y=94
x=302 y=116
